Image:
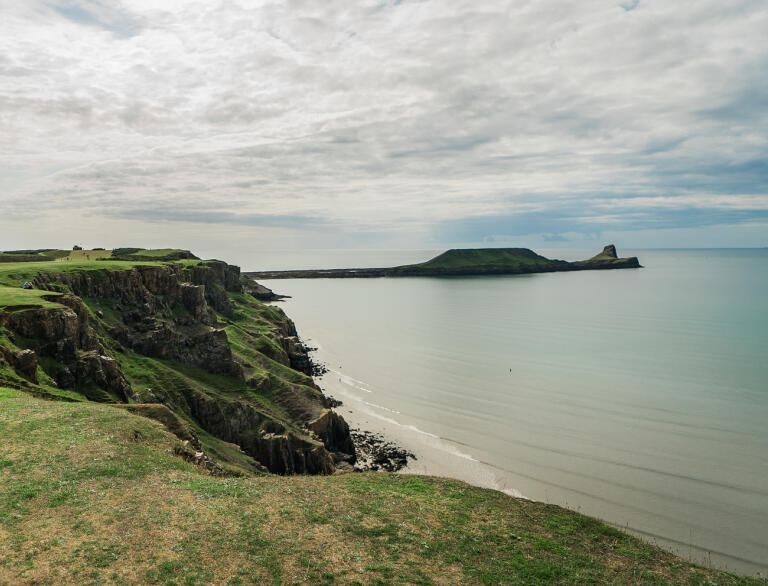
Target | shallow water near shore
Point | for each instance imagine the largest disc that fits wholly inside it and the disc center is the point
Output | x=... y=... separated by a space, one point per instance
x=636 y=396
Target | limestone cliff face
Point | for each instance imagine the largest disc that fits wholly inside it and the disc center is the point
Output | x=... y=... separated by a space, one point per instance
x=194 y=344
x=156 y=289
x=331 y=428
x=174 y=312
x=23 y=362
x=268 y=441
x=64 y=334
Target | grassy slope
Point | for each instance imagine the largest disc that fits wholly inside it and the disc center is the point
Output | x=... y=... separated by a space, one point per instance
x=91 y=493
x=12 y=296
x=486 y=257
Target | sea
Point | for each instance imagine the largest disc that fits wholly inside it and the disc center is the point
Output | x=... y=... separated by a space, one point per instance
x=636 y=396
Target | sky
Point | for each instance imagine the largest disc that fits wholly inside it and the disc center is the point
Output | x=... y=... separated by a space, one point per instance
x=233 y=125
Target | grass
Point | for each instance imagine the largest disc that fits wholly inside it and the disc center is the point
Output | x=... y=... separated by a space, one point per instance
x=86 y=255
x=14 y=274
x=513 y=258
x=16 y=296
x=160 y=254
x=157 y=252
x=90 y=493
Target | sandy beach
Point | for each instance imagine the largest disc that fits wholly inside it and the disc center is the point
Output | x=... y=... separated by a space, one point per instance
x=435 y=456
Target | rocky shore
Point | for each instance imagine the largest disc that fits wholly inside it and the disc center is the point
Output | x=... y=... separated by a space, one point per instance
x=374 y=452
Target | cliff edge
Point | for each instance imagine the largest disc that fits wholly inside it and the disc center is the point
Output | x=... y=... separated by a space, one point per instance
x=182 y=335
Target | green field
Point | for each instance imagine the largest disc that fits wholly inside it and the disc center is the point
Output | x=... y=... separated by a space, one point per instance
x=479 y=258
x=92 y=494
x=14 y=274
x=15 y=296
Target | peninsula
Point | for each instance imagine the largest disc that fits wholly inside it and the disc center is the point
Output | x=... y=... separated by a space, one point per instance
x=468 y=262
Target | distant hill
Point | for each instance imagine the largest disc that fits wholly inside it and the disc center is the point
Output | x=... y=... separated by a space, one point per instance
x=485 y=258
x=467 y=262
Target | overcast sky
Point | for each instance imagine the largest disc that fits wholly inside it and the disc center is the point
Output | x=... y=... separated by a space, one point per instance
x=383 y=124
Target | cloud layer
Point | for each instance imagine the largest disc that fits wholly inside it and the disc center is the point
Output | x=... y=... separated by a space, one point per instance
x=431 y=121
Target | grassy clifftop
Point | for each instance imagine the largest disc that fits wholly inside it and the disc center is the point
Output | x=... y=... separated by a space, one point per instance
x=480 y=258
x=181 y=334
x=91 y=494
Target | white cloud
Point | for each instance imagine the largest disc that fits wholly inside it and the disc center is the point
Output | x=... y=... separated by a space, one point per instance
x=381 y=117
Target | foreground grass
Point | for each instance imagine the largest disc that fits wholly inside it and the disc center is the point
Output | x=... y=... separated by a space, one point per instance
x=92 y=494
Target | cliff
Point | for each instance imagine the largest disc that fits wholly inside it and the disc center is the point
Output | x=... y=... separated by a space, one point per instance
x=468 y=262
x=184 y=335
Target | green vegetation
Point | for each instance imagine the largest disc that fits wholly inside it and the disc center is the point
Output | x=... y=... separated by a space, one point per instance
x=48 y=260
x=467 y=262
x=91 y=493
x=479 y=258
x=273 y=395
x=14 y=274
x=162 y=254
x=16 y=296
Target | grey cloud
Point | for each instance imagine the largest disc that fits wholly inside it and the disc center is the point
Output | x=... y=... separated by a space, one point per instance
x=384 y=117
x=209 y=217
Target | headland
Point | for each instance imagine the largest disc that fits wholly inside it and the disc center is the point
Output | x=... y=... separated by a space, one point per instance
x=468 y=262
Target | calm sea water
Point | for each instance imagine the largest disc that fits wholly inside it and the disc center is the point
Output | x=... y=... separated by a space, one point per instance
x=636 y=396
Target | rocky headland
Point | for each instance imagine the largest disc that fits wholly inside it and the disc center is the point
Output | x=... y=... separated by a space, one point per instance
x=175 y=332
x=468 y=262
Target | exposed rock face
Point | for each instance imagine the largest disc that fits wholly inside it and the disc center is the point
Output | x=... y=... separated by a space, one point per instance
x=297 y=354
x=157 y=289
x=264 y=439
x=199 y=458
x=331 y=428
x=263 y=293
x=24 y=362
x=171 y=312
x=218 y=278
x=608 y=259
x=105 y=373
x=42 y=324
x=193 y=298
x=62 y=333
x=54 y=332
x=201 y=346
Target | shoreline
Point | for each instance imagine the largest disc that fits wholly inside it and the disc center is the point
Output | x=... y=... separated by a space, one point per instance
x=432 y=455
x=440 y=457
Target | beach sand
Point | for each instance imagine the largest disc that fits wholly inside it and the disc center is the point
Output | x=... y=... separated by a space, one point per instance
x=435 y=456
